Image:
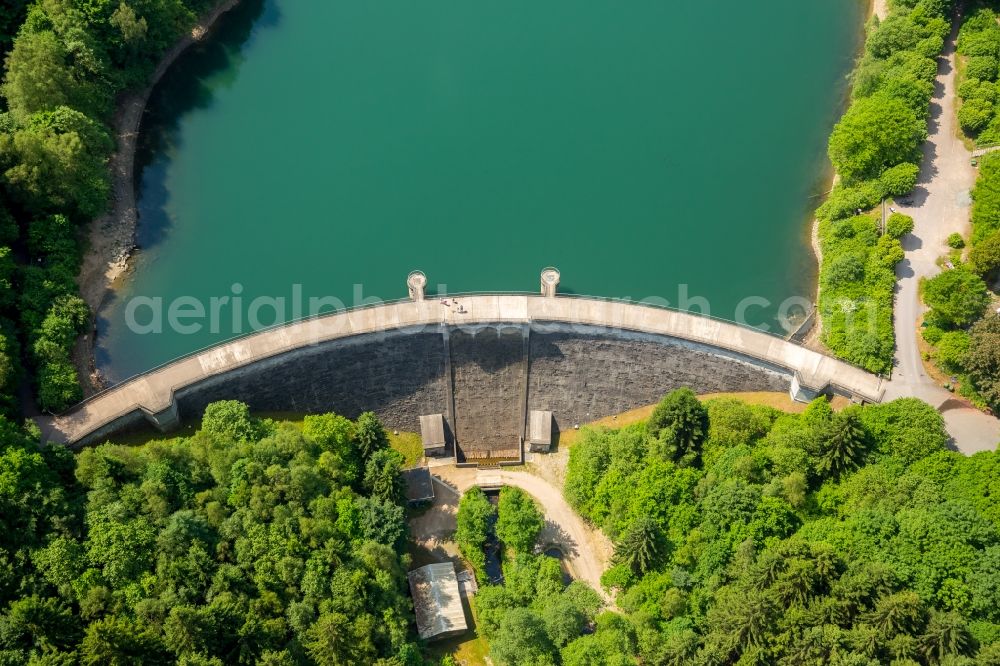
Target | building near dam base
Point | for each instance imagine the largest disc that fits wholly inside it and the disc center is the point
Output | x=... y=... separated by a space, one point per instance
x=419 y=486
x=437 y=602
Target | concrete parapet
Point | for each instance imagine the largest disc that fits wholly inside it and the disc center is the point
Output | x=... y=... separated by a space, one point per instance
x=394 y=359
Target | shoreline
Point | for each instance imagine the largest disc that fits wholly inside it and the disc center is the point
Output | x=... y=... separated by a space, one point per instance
x=880 y=9
x=111 y=237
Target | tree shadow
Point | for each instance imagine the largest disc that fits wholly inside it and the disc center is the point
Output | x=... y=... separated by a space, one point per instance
x=190 y=84
x=554 y=536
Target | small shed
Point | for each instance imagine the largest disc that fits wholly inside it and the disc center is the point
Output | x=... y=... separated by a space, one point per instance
x=419 y=487
x=437 y=602
x=432 y=434
x=540 y=431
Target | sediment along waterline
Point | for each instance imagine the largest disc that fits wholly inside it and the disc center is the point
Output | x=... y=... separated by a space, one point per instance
x=655 y=152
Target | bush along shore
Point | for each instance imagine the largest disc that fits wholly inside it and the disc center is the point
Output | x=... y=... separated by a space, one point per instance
x=875 y=149
x=962 y=326
x=64 y=70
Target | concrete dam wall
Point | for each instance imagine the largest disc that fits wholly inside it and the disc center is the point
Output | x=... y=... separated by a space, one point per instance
x=483 y=367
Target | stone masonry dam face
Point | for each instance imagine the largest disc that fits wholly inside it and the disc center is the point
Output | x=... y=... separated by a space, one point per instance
x=484 y=369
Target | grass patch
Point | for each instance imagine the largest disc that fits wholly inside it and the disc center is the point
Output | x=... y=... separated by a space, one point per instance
x=410 y=445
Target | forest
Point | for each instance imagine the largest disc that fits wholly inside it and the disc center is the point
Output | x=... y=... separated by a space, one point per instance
x=65 y=63
x=533 y=614
x=249 y=542
x=745 y=535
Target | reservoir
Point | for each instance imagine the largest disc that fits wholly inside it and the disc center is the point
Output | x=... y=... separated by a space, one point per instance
x=651 y=150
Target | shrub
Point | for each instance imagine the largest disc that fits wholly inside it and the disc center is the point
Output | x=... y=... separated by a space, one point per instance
x=955 y=241
x=845 y=269
x=975 y=115
x=898 y=225
x=930 y=47
x=888 y=252
x=984 y=258
x=968 y=88
x=991 y=135
x=956 y=297
x=932 y=334
x=986 y=199
x=899 y=179
x=857 y=307
x=982 y=67
x=979 y=35
x=846 y=201
x=952 y=349
x=986 y=91
x=875 y=134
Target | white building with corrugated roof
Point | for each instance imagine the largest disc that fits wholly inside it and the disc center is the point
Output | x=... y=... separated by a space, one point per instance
x=437 y=602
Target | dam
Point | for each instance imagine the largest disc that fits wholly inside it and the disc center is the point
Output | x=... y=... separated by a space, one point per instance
x=482 y=361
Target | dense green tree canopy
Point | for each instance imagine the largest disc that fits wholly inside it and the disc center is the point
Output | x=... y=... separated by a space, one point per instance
x=240 y=544
x=852 y=537
x=956 y=297
x=875 y=134
x=982 y=358
x=62 y=73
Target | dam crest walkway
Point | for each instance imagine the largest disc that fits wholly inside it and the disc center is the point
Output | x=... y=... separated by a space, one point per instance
x=152 y=393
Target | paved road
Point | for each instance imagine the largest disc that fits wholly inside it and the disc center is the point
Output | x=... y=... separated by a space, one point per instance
x=587 y=550
x=940 y=207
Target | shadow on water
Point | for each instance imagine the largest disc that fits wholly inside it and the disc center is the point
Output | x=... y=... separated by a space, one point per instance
x=189 y=85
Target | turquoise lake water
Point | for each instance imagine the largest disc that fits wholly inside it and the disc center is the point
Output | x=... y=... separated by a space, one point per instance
x=648 y=149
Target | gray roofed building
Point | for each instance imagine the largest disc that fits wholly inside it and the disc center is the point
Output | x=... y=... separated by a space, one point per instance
x=437 y=602
x=540 y=431
x=419 y=487
x=432 y=434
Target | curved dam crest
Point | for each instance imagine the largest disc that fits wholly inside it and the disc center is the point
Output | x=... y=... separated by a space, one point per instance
x=482 y=365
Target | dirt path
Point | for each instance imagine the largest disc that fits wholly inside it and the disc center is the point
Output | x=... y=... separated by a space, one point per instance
x=587 y=551
x=940 y=206
x=880 y=8
x=111 y=238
